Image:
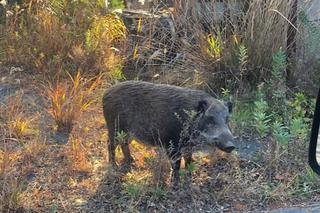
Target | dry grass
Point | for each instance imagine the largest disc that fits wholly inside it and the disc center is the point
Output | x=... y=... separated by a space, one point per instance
x=104 y=32
x=50 y=37
x=69 y=101
x=15 y=120
x=77 y=156
x=196 y=38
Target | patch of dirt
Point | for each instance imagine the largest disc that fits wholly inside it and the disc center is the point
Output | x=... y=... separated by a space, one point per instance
x=52 y=180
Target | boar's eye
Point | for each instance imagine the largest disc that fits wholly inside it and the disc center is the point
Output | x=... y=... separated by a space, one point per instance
x=210 y=120
x=202 y=106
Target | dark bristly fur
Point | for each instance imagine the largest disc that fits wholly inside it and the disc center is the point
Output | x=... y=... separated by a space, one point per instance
x=149 y=113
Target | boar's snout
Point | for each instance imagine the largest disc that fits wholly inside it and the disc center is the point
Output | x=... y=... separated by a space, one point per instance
x=227 y=147
x=223 y=141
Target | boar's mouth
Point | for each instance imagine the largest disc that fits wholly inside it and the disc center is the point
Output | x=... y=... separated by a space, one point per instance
x=226 y=147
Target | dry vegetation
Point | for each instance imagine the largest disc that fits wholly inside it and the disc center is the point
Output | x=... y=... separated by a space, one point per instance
x=57 y=58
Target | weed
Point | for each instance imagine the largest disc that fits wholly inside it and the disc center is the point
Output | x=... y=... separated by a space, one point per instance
x=281 y=134
x=48 y=36
x=135 y=184
x=261 y=118
x=77 y=156
x=277 y=84
x=279 y=64
x=103 y=33
x=68 y=102
x=18 y=124
x=10 y=195
x=192 y=167
x=159 y=167
x=121 y=137
x=10 y=188
x=298 y=105
x=133 y=190
x=225 y=94
x=115 y=4
x=214 y=48
x=116 y=74
x=243 y=58
x=299 y=128
x=158 y=192
x=273 y=192
x=305 y=184
x=242 y=117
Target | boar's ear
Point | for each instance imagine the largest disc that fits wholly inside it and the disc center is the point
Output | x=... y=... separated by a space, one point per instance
x=229 y=105
x=202 y=106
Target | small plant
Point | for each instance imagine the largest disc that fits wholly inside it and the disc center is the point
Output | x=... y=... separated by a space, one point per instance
x=106 y=32
x=270 y=192
x=191 y=168
x=281 y=134
x=77 y=156
x=277 y=86
x=116 y=74
x=279 y=64
x=261 y=118
x=299 y=128
x=115 y=4
x=298 y=122
x=158 y=192
x=68 y=102
x=10 y=195
x=242 y=117
x=18 y=124
x=121 y=137
x=133 y=190
x=159 y=167
x=243 y=58
x=305 y=184
x=104 y=29
x=135 y=184
x=225 y=94
x=214 y=48
x=19 y=127
x=298 y=104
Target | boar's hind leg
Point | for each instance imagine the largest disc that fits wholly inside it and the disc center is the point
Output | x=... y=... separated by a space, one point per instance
x=175 y=157
x=111 y=149
x=126 y=152
x=188 y=160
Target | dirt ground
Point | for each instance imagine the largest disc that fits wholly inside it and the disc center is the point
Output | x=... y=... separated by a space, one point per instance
x=50 y=177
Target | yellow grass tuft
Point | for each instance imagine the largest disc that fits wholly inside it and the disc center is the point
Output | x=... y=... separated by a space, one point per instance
x=69 y=101
x=77 y=156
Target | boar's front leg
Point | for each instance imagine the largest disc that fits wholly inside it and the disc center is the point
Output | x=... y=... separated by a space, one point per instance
x=188 y=160
x=175 y=157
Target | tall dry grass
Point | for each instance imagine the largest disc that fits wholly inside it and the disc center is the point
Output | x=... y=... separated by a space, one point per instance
x=49 y=37
x=203 y=37
x=69 y=98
